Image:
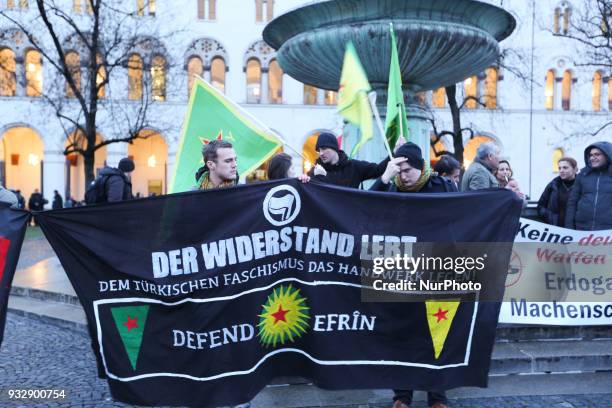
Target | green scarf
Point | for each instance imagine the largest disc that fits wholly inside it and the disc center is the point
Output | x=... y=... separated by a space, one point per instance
x=423 y=179
x=205 y=184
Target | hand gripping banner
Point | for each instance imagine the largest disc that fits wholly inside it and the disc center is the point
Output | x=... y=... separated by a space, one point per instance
x=13 y=225
x=202 y=298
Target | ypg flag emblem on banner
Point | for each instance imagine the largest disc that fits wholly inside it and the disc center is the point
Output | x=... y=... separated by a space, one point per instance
x=206 y=309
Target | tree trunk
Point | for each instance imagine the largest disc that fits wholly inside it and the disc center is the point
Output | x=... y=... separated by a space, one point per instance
x=451 y=95
x=88 y=159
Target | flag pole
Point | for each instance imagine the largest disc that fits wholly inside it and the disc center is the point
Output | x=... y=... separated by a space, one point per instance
x=401 y=122
x=372 y=100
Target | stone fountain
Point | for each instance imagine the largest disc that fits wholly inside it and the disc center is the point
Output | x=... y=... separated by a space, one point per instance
x=440 y=42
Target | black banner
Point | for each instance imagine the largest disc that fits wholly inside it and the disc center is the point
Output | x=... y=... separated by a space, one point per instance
x=13 y=225
x=202 y=298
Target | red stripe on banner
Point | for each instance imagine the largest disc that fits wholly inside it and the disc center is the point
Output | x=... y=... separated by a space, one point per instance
x=4 y=246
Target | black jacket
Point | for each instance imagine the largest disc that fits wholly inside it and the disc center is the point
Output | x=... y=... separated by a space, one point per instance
x=57 y=202
x=37 y=202
x=117 y=186
x=589 y=207
x=553 y=203
x=435 y=184
x=348 y=172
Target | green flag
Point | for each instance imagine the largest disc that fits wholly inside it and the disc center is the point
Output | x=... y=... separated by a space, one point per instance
x=210 y=115
x=130 y=322
x=353 y=102
x=395 y=122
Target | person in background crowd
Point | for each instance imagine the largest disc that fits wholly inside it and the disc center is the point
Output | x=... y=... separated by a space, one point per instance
x=480 y=173
x=449 y=167
x=36 y=203
x=504 y=174
x=57 y=202
x=7 y=196
x=220 y=168
x=118 y=186
x=553 y=202
x=20 y=199
x=334 y=167
x=589 y=207
x=69 y=203
x=280 y=168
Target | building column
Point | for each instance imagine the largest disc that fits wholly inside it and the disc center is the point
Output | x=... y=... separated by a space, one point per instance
x=54 y=164
x=264 y=86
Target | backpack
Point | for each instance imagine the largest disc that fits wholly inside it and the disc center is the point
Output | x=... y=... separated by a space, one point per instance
x=96 y=191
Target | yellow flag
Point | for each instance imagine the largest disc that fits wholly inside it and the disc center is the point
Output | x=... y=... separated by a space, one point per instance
x=353 y=102
x=440 y=317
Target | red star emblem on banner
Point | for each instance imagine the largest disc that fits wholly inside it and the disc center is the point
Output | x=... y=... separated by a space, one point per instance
x=132 y=323
x=441 y=315
x=280 y=315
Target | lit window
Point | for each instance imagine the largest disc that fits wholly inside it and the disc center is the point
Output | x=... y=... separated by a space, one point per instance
x=310 y=95
x=331 y=97
x=76 y=7
x=597 y=82
x=566 y=90
x=140 y=7
x=557 y=154
x=438 y=98
x=275 y=83
x=490 y=97
x=194 y=67
x=566 y=19
x=135 y=67
x=23 y=4
x=34 y=76
x=253 y=73
x=217 y=73
x=471 y=92
x=152 y=7
x=10 y=4
x=556 y=20
x=259 y=10
x=73 y=63
x=270 y=9
x=89 y=6
x=101 y=77
x=8 y=79
x=549 y=92
x=158 y=76
x=212 y=9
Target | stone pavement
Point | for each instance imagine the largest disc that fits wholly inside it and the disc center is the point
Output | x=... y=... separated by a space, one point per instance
x=39 y=355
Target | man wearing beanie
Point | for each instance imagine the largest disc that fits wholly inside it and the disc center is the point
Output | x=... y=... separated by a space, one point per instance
x=334 y=167
x=407 y=173
x=117 y=184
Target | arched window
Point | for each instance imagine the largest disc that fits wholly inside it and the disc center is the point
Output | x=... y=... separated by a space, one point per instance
x=143 y=5
x=194 y=67
x=101 y=77
x=34 y=75
x=212 y=9
x=217 y=73
x=597 y=83
x=259 y=10
x=8 y=79
x=490 y=96
x=135 y=67
x=566 y=90
x=557 y=154
x=471 y=92
x=567 y=12
x=253 y=73
x=331 y=97
x=310 y=95
x=549 y=91
x=275 y=83
x=73 y=62
x=556 y=18
x=158 y=78
x=438 y=97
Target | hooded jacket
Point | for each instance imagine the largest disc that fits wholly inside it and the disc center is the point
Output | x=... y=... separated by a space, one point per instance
x=348 y=172
x=589 y=207
x=117 y=186
x=552 y=205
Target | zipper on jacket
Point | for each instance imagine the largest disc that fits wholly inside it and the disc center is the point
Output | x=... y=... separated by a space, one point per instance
x=595 y=203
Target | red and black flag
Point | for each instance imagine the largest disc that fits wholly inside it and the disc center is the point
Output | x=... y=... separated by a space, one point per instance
x=12 y=230
x=202 y=298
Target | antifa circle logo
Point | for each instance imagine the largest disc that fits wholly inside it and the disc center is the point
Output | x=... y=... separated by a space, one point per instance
x=281 y=205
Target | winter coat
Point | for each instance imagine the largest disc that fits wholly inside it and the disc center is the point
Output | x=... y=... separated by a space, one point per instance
x=37 y=202
x=348 y=172
x=117 y=185
x=589 y=207
x=7 y=196
x=553 y=202
x=478 y=177
x=57 y=202
x=435 y=184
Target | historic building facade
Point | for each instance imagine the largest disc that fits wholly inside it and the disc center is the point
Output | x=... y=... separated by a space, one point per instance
x=534 y=120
